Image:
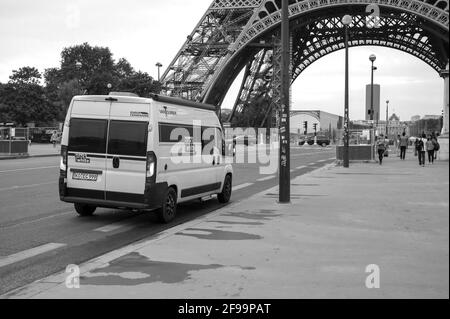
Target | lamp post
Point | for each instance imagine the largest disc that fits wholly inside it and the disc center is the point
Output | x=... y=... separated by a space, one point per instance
x=159 y=65
x=387 y=118
x=346 y=21
x=285 y=151
x=372 y=59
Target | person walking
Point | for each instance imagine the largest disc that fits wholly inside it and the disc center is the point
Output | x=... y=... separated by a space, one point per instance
x=381 y=147
x=404 y=140
x=437 y=146
x=54 y=139
x=430 y=150
x=421 y=149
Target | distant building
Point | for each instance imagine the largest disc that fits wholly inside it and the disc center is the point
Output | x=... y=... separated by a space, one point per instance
x=376 y=101
x=415 y=118
x=432 y=117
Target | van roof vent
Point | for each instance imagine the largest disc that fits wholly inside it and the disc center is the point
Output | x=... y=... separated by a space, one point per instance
x=123 y=94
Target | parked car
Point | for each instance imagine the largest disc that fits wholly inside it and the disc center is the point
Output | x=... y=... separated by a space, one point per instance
x=321 y=140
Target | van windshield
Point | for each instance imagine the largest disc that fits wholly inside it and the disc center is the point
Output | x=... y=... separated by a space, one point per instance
x=88 y=136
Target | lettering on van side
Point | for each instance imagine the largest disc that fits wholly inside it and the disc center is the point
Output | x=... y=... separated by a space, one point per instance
x=82 y=158
x=168 y=112
x=138 y=114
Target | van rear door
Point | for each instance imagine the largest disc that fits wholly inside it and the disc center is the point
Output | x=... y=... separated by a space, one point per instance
x=87 y=158
x=127 y=152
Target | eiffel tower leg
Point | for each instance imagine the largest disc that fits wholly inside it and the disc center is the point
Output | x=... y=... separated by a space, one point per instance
x=444 y=139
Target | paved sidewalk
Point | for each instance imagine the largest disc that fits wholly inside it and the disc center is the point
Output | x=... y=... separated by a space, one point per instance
x=340 y=221
x=37 y=150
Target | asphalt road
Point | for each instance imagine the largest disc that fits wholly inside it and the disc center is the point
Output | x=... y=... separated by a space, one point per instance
x=39 y=235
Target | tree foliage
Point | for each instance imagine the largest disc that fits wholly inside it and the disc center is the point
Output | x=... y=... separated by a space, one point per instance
x=84 y=70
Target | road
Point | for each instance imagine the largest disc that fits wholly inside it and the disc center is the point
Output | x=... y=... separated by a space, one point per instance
x=39 y=235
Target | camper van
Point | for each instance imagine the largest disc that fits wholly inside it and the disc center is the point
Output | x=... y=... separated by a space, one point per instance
x=126 y=152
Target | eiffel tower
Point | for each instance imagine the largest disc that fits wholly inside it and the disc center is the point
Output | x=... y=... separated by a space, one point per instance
x=236 y=35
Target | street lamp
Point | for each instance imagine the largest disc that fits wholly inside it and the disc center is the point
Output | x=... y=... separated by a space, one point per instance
x=346 y=21
x=372 y=59
x=159 y=65
x=387 y=118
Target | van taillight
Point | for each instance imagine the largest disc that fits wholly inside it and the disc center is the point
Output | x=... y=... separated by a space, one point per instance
x=63 y=165
x=151 y=168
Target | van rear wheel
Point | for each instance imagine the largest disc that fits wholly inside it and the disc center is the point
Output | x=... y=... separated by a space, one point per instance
x=225 y=196
x=85 y=210
x=168 y=210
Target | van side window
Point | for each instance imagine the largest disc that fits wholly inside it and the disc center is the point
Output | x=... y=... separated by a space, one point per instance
x=128 y=138
x=166 y=131
x=88 y=136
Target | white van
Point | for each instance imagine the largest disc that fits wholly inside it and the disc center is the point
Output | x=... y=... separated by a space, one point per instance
x=127 y=152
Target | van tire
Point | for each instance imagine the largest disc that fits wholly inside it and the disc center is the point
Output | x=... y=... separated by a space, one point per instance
x=168 y=210
x=225 y=196
x=85 y=210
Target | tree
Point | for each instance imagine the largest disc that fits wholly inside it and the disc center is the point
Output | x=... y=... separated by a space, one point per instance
x=25 y=75
x=23 y=99
x=139 y=83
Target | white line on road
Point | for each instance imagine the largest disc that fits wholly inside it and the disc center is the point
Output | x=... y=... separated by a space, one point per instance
x=113 y=227
x=302 y=167
x=25 y=186
x=265 y=179
x=322 y=161
x=236 y=188
x=8 y=260
x=28 y=169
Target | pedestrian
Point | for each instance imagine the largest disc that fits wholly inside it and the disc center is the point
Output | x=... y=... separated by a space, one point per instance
x=404 y=140
x=398 y=147
x=437 y=146
x=54 y=139
x=381 y=147
x=421 y=149
x=430 y=150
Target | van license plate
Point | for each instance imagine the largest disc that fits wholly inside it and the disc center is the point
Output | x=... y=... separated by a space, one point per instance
x=85 y=177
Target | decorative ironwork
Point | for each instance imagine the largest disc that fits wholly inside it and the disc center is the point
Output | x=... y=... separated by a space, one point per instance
x=237 y=34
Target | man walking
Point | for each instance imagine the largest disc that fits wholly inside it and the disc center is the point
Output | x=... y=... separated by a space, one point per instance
x=381 y=147
x=421 y=149
x=404 y=140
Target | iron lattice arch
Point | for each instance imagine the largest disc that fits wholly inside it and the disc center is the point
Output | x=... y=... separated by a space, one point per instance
x=237 y=34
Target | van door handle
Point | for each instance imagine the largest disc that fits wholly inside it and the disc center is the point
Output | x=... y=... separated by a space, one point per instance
x=116 y=162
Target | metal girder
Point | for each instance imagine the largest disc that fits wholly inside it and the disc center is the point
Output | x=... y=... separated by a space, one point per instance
x=236 y=33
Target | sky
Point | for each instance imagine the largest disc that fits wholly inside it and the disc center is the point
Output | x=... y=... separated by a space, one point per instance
x=33 y=33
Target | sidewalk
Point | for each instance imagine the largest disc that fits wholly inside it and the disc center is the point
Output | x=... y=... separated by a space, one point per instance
x=37 y=150
x=340 y=221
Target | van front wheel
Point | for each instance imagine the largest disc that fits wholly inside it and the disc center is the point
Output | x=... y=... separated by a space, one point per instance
x=225 y=196
x=168 y=210
x=85 y=210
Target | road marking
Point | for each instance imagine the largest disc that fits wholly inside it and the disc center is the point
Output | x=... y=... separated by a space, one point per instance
x=311 y=164
x=302 y=167
x=25 y=186
x=36 y=220
x=265 y=179
x=8 y=260
x=322 y=161
x=236 y=188
x=113 y=227
x=28 y=169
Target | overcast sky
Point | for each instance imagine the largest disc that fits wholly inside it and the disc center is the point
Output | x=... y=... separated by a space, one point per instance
x=33 y=33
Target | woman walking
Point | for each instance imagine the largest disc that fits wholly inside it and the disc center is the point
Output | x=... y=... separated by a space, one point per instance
x=430 y=150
